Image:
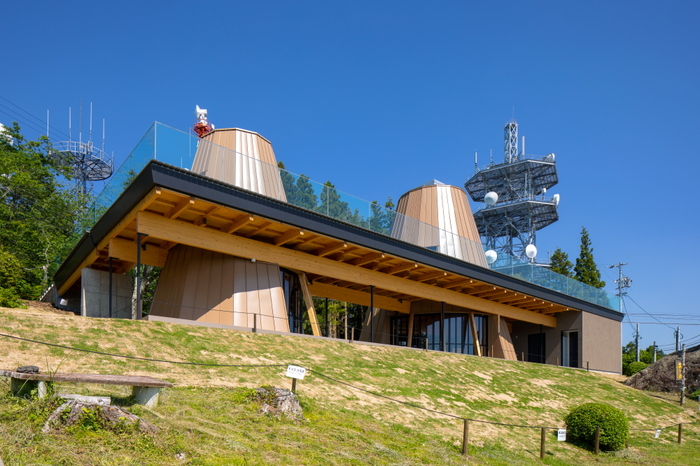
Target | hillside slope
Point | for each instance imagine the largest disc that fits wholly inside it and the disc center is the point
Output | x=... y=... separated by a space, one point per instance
x=356 y=380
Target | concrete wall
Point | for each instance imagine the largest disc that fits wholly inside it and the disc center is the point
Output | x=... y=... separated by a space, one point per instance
x=570 y=320
x=94 y=300
x=602 y=343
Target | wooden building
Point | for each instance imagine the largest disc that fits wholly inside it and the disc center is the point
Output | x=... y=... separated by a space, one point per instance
x=235 y=253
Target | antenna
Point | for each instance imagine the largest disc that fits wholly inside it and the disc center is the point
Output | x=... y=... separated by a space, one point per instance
x=513 y=192
x=87 y=162
x=476 y=161
x=103 y=134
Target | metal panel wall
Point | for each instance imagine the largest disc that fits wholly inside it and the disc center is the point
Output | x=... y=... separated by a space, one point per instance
x=241 y=158
x=438 y=216
x=207 y=286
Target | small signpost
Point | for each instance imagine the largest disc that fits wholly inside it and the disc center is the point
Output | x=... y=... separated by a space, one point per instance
x=561 y=435
x=295 y=372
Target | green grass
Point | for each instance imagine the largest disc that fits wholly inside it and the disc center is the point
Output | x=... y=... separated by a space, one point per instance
x=210 y=419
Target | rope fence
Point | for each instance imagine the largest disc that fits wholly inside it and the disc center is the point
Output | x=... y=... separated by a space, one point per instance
x=466 y=421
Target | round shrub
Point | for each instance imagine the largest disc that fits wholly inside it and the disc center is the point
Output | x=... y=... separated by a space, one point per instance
x=634 y=367
x=582 y=421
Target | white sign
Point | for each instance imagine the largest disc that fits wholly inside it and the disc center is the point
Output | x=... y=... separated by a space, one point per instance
x=296 y=372
x=561 y=435
x=658 y=432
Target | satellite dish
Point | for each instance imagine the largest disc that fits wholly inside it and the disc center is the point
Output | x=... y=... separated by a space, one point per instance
x=544 y=190
x=491 y=198
x=491 y=256
x=556 y=199
x=531 y=251
x=550 y=157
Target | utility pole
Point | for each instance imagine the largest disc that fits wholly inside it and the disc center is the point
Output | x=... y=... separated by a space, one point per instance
x=683 y=376
x=677 y=334
x=654 y=352
x=622 y=282
x=636 y=342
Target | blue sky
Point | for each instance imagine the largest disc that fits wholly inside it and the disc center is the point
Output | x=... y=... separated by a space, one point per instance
x=379 y=97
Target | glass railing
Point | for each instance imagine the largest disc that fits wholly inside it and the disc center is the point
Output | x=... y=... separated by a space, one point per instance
x=178 y=148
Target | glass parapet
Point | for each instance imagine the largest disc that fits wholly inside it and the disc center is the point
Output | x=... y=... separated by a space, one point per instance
x=178 y=148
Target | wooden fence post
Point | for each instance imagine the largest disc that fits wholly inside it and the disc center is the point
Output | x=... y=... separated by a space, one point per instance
x=680 y=432
x=596 y=446
x=543 y=440
x=465 y=438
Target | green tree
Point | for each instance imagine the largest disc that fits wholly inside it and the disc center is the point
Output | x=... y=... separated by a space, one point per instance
x=382 y=218
x=304 y=195
x=560 y=263
x=290 y=187
x=586 y=271
x=38 y=211
x=629 y=355
x=333 y=205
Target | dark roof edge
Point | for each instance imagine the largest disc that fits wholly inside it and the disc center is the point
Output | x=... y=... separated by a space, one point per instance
x=157 y=173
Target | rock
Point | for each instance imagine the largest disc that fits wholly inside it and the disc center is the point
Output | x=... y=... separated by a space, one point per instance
x=280 y=401
x=661 y=376
x=28 y=369
x=111 y=416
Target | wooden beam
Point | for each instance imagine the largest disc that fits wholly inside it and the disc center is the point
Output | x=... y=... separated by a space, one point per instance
x=475 y=334
x=125 y=250
x=122 y=224
x=185 y=233
x=431 y=275
x=402 y=268
x=288 y=236
x=180 y=207
x=258 y=230
x=331 y=249
x=237 y=224
x=367 y=258
x=323 y=290
x=309 y=300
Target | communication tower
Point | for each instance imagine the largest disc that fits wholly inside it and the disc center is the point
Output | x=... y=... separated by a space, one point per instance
x=87 y=162
x=515 y=196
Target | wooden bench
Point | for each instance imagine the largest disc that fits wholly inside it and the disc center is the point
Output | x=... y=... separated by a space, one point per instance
x=145 y=390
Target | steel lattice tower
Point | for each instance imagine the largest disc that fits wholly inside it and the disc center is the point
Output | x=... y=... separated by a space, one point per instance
x=516 y=203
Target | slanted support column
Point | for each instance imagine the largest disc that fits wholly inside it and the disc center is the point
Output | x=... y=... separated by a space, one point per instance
x=409 y=343
x=308 y=299
x=475 y=334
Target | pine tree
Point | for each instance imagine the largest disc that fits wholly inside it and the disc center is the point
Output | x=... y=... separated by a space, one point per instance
x=290 y=188
x=560 y=263
x=304 y=195
x=586 y=270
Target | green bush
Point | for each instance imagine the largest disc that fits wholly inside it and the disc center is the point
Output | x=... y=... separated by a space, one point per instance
x=582 y=421
x=10 y=298
x=634 y=367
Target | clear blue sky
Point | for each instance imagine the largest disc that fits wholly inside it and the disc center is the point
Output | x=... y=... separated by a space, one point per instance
x=381 y=96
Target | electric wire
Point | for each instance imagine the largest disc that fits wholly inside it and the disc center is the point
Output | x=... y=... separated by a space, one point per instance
x=318 y=373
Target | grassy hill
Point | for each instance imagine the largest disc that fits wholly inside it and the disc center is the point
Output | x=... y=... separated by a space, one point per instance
x=348 y=396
